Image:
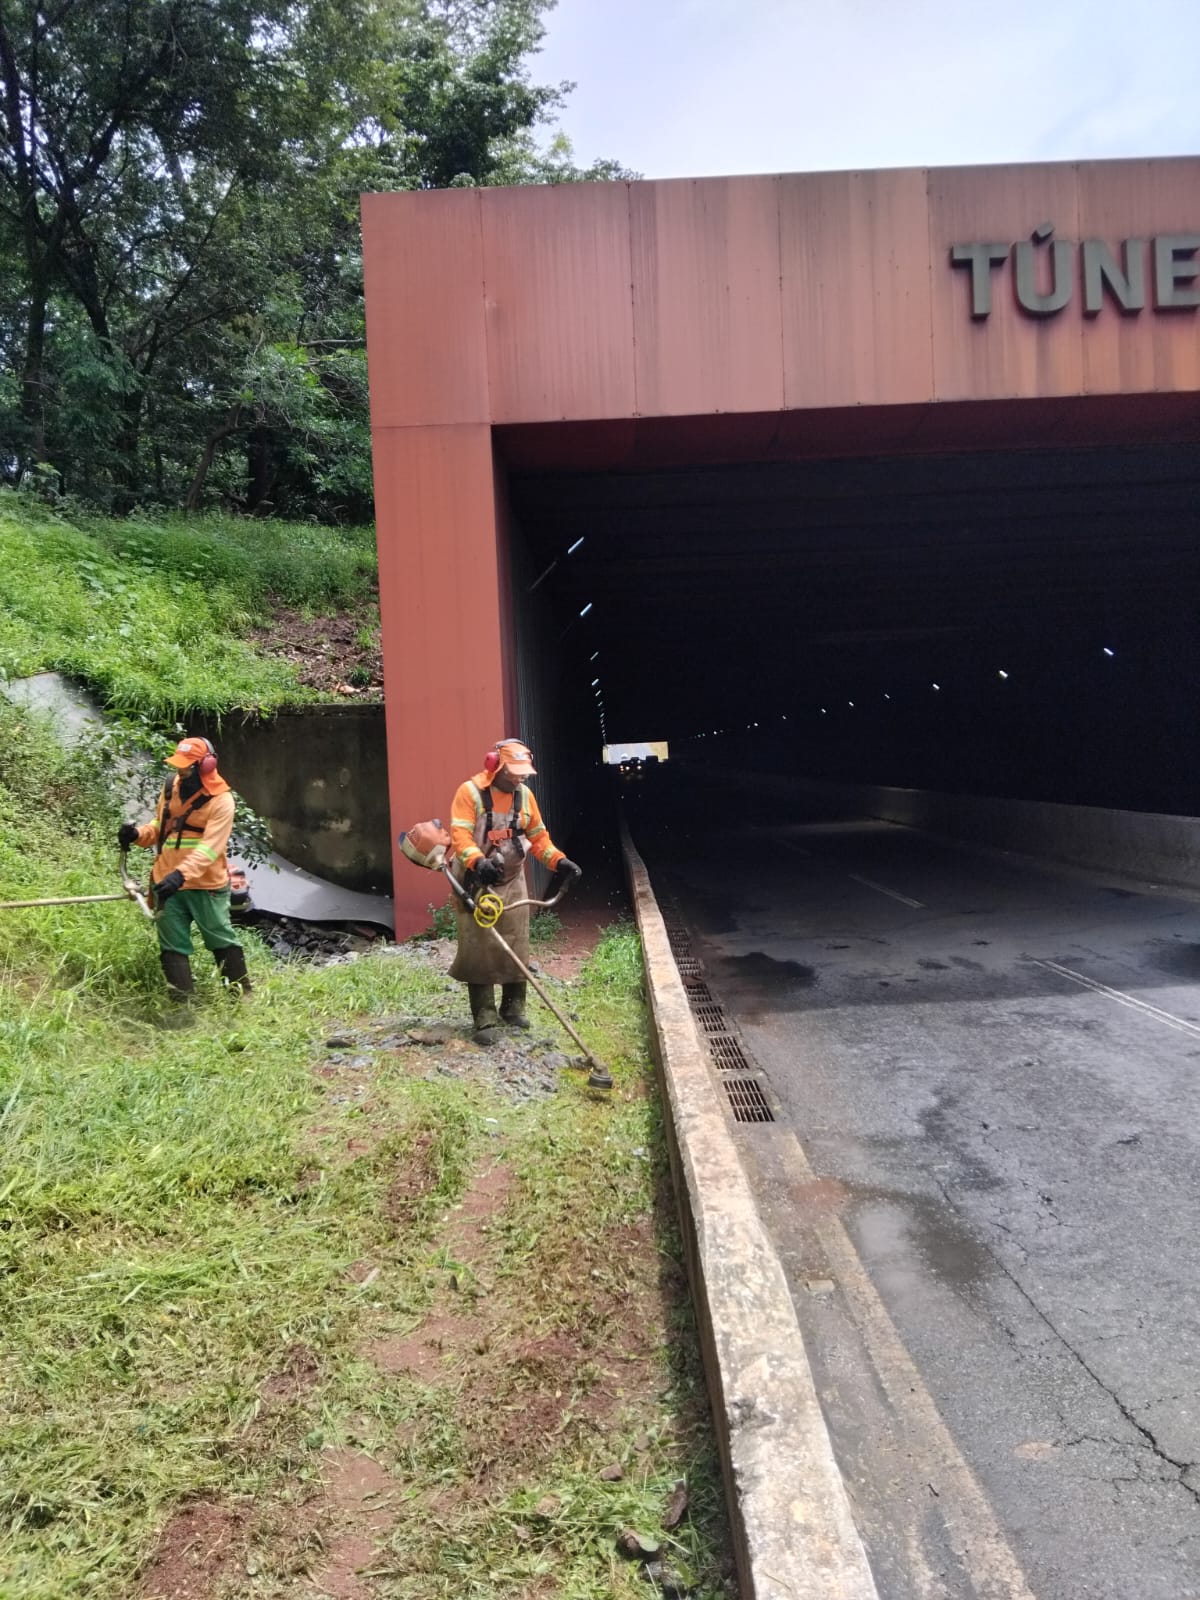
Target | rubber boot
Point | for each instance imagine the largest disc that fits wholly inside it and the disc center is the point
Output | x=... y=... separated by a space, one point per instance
x=483 y=1009
x=177 y=970
x=512 y=1005
x=231 y=964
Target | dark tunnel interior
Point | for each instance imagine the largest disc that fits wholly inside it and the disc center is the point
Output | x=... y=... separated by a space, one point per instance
x=1019 y=623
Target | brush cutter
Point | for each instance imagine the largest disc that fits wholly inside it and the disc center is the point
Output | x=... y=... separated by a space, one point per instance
x=130 y=890
x=487 y=909
x=427 y=845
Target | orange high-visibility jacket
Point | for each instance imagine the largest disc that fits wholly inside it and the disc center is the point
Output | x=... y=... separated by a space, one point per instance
x=199 y=851
x=468 y=809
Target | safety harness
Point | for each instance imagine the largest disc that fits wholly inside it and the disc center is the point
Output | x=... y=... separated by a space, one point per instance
x=492 y=834
x=181 y=824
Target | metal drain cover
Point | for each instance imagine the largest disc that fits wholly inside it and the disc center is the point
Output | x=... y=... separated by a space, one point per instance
x=748 y=1101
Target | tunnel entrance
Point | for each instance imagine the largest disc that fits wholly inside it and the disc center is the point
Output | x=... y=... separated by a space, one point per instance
x=1020 y=622
x=761 y=457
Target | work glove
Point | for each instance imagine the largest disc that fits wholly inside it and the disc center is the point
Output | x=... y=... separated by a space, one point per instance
x=170 y=885
x=127 y=834
x=566 y=872
x=488 y=872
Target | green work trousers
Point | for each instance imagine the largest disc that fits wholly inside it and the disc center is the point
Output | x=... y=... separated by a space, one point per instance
x=207 y=908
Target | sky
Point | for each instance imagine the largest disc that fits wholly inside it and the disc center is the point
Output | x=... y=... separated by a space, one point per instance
x=685 y=88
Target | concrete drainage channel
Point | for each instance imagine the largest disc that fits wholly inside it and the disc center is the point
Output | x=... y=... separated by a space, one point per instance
x=793 y=1532
x=743 y=1086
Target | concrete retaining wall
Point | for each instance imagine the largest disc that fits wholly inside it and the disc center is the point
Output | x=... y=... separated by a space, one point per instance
x=318 y=774
x=794 y=1535
x=1136 y=844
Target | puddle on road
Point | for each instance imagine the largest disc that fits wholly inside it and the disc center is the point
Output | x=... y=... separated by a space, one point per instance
x=1176 y=957
x=758 y=983
x=758 y=967
x=905 y=1238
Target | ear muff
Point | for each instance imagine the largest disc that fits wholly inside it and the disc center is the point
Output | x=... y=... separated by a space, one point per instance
x=207 y=765
x=491 y=762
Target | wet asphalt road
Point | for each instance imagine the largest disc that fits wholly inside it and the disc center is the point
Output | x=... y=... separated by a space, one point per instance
x=991 y=1219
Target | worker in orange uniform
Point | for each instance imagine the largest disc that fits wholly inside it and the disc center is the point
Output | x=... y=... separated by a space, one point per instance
x=189 y=882
x=494 y=824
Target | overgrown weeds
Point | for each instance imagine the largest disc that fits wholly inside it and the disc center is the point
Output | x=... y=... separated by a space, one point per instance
x=207 y=1238
x=152 y=611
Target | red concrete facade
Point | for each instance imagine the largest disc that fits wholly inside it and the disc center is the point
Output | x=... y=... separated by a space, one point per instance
x=717 y=319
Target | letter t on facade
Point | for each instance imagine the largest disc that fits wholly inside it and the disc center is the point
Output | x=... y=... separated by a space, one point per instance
x=981 y=258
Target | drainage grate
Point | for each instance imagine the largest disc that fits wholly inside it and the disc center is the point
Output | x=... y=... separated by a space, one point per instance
x=711 y=1018
x=727 y=1053
x=748 y=1101
x=745 y=1093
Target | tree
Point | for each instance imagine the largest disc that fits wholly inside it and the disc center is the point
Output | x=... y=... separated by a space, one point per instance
x=179 y=251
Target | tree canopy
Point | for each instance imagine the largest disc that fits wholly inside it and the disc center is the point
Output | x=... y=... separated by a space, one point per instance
x=181 y=313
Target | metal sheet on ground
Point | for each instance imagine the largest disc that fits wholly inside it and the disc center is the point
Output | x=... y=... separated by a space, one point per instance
x=289 y=891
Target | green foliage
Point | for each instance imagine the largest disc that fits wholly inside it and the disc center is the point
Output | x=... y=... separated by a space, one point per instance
x=544 y=927
x=152 y=613
x=442 y=923
x=179 y=188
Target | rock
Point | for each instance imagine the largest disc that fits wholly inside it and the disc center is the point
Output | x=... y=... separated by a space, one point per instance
x=635 y=1546
x=438 y=1033
x=643 y=1442
x=339 y=1041
x=612 y=1474
x=548 y=1506
x=677 y=1507
x=670 y=1585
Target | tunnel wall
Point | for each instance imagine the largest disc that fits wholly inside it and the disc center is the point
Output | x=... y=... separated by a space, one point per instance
x=1148 y=846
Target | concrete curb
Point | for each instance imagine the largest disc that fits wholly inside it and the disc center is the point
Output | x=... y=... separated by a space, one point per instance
x=794 y=1534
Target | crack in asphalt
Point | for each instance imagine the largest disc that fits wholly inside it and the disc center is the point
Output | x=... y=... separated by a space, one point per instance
x=1150 y=1442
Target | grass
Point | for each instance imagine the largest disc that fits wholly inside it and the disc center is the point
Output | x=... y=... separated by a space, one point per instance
x=152 y=612
x=181 y=1214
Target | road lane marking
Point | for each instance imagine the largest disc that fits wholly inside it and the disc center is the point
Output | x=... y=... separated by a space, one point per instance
x=933 y=1454
x=870 y=883
x=1168 y=1018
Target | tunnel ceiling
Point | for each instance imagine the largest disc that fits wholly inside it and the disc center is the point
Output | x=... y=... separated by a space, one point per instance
x=718 y=589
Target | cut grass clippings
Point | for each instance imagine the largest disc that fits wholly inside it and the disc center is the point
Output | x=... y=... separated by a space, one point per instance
x=275 y=1321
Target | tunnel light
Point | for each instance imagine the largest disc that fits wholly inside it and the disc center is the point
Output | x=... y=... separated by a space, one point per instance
x=936 y=687
x=572 y=549
x=586 y=609
x=1109 y=652
x=595 y=681
x=594 y=655
x=850 y=703
x=756 y=724
x=1003 y=674
x=887 y=697
x=824 y=713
